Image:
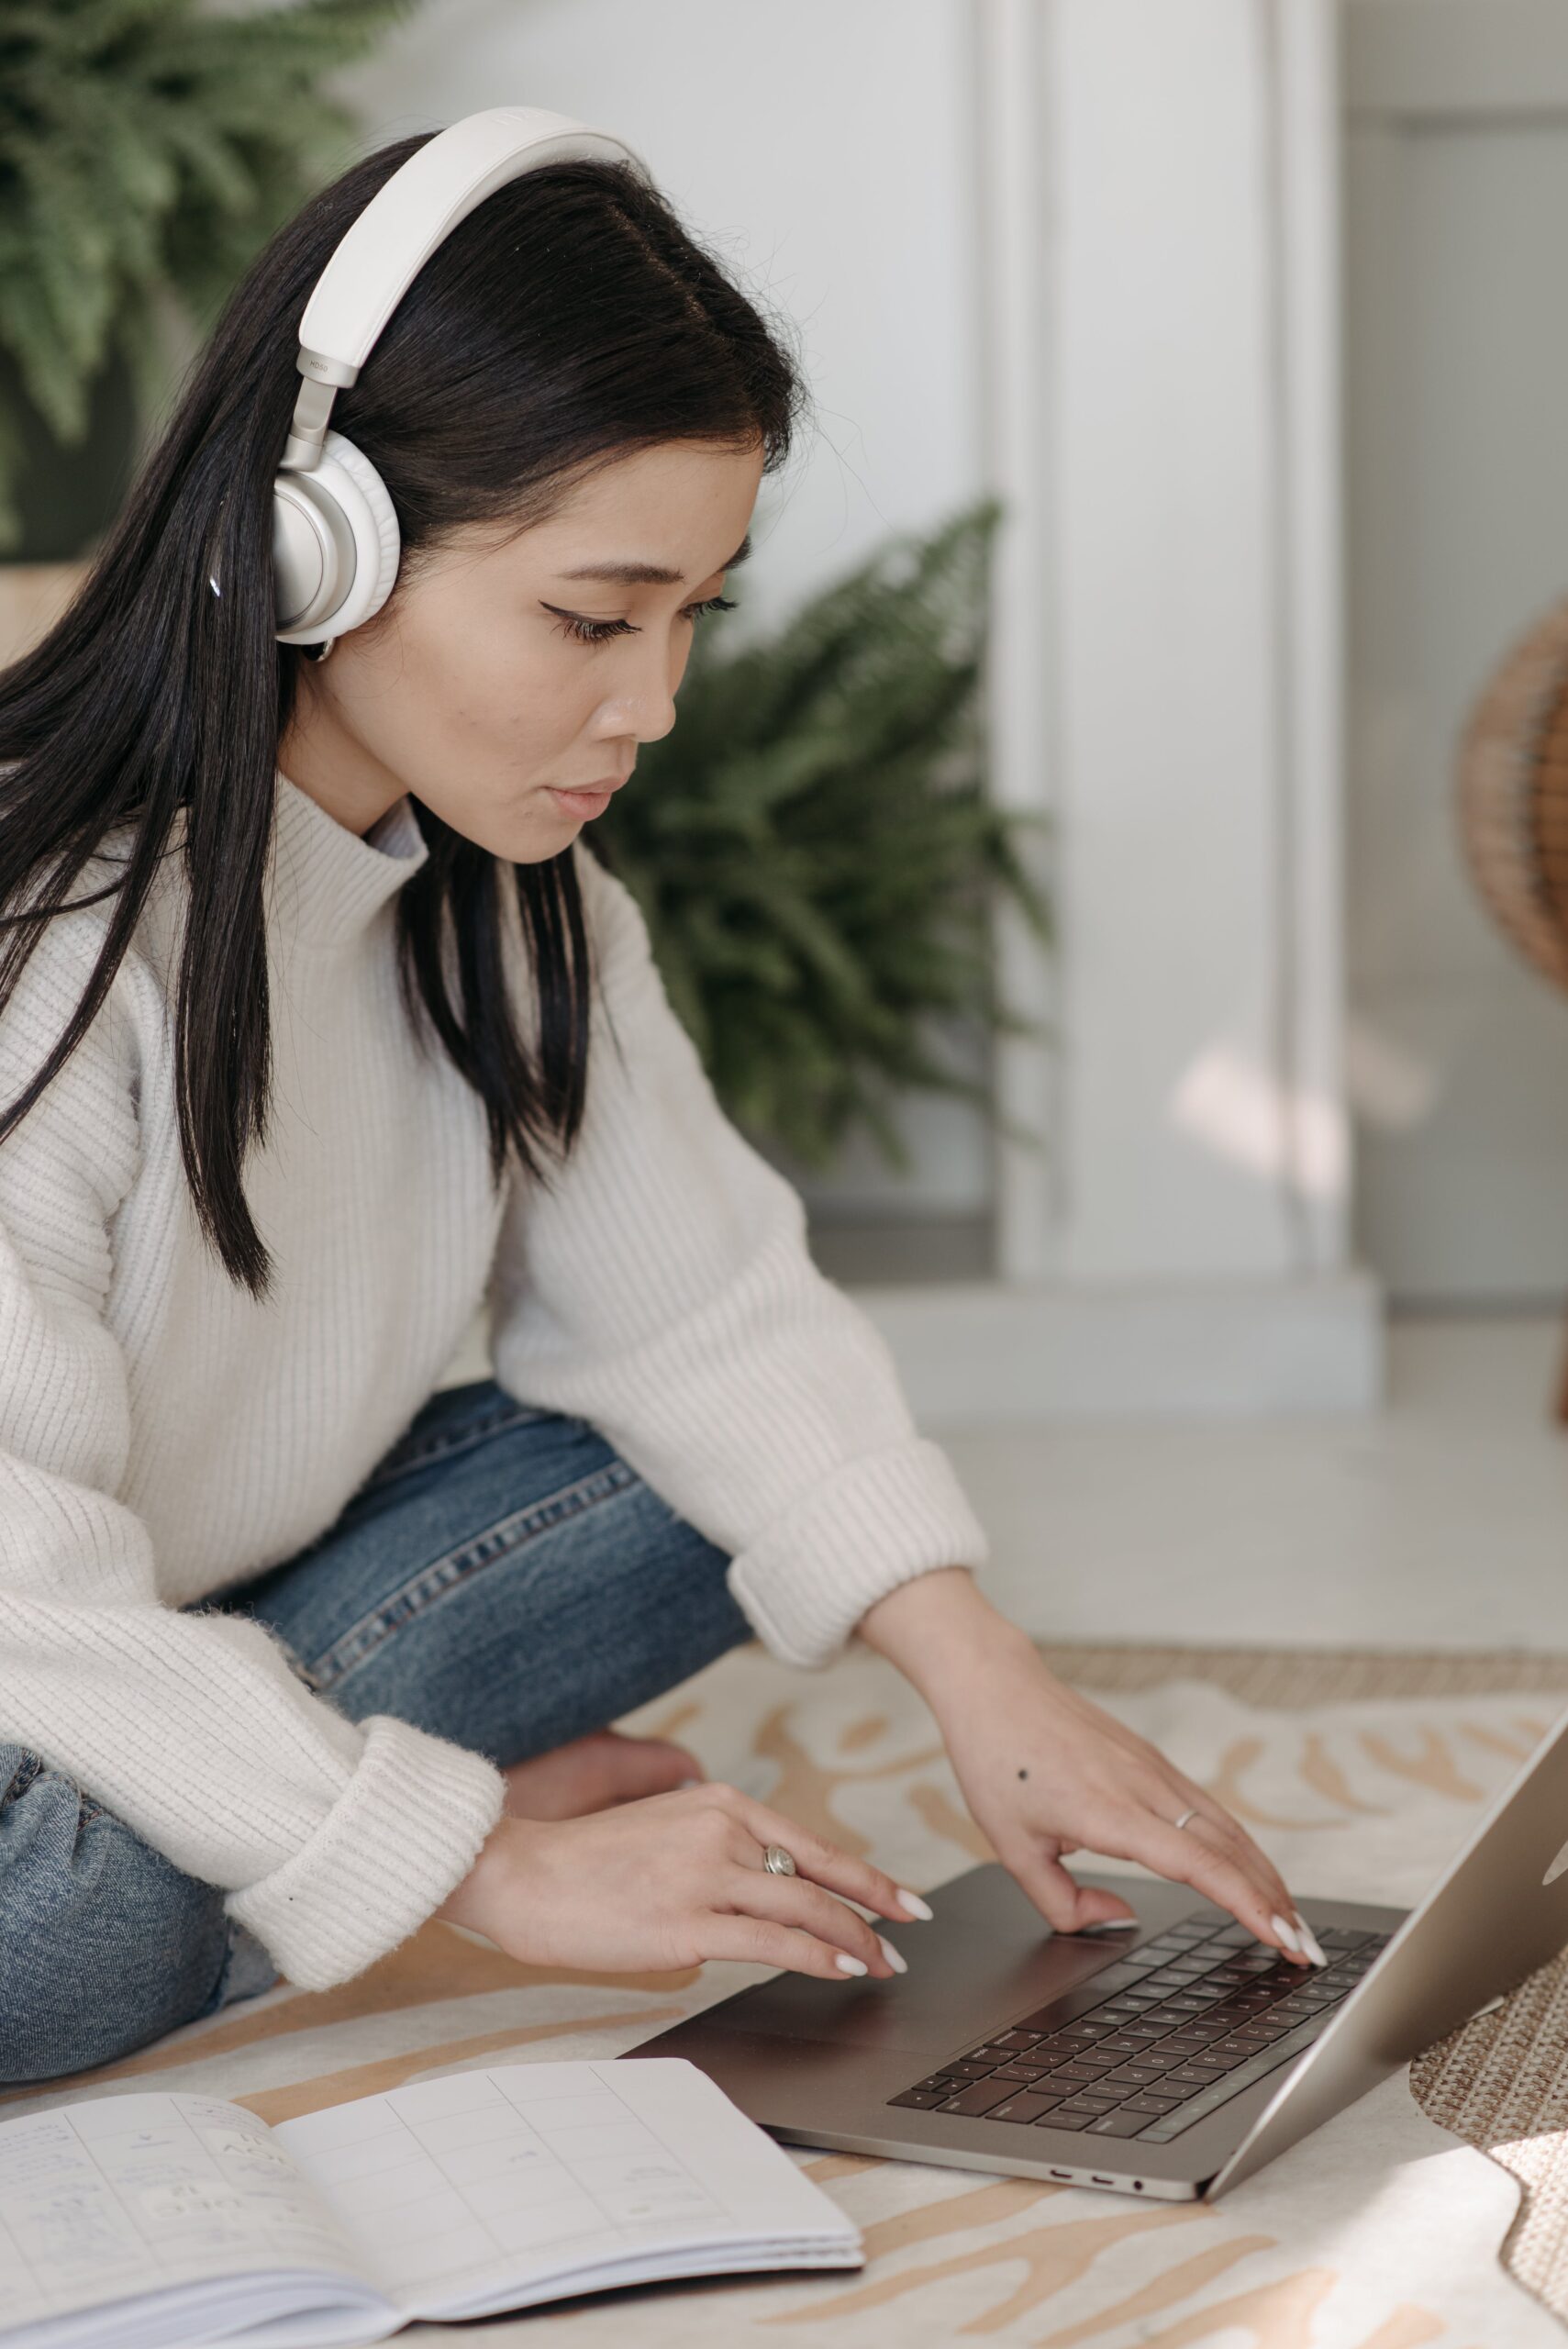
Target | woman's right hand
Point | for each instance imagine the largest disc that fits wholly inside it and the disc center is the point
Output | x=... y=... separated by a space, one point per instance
x=663 y=1882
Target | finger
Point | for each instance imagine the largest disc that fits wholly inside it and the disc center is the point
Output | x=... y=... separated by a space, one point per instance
x=1228 y=1827
x=823 y=1862
x=1187 y=1858
x=1301 y=1950
x=794 y=1901
x=758 y=1940
x=1217 y=1822
x=1212 y=1824
x=1067 y=1906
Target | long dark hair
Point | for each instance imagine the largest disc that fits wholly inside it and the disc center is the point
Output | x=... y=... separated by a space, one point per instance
x=570 y=320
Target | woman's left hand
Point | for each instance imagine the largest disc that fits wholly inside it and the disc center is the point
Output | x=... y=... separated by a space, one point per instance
x=1046 y=1772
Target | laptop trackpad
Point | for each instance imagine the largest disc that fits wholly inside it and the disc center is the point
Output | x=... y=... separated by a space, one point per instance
x=983 y=1958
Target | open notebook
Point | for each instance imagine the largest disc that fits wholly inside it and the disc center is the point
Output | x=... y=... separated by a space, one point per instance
x=151 y=2222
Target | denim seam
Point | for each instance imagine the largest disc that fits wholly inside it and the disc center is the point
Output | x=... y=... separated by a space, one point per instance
x=34 y=1767
x=432 y=1583
x=30 y=1767
x=407 y=1454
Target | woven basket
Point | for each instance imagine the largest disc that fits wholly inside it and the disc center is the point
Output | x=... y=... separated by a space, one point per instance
x=1513 y=795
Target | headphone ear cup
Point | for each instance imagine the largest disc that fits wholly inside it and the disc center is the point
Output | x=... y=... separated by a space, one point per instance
x=335 y=545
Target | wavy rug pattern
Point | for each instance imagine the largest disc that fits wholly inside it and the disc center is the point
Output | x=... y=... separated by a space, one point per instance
x=1361 y=1773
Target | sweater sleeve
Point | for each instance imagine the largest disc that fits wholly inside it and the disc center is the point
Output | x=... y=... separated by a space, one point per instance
x=332 y=1838
x=659 y=1284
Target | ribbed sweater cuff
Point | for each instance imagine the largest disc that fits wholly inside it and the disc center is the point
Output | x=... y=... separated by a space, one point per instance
x=403 y=1834
x=878 y=1522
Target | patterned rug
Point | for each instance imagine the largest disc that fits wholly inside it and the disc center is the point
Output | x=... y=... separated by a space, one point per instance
x=1361 y=1773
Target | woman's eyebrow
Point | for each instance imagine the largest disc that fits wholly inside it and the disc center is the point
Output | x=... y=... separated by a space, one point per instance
x=647 y=574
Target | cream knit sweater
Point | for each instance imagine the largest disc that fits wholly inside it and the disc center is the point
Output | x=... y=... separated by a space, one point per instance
x=163 y=1436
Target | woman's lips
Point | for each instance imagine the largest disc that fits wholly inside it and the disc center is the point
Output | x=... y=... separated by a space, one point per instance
x=583 y=804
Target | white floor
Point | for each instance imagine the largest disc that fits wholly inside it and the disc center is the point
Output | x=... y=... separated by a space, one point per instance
x=1442 y=1521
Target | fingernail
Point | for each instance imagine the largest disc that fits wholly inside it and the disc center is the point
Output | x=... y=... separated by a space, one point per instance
x=1111 y=1925
x=1309 y=1941
x=895 y=1957
x=916 y=1906
x=848 y=1965
x=684 y=1783
x=1288 y=1935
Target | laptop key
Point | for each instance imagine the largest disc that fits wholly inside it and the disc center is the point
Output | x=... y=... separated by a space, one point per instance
x=1148 y=2103
x=1063 y=2118
x=922 y=2099
x=1023 y=2109
x=1119 y=2124
x=979 y=2096
x=1269 y=2060
x=1091 y=2107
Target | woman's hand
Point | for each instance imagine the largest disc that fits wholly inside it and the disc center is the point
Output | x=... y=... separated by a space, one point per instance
x=672 y=1881
x=1046 y=1772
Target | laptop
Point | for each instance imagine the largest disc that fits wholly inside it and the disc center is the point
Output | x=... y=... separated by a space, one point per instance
x=1171 y=2061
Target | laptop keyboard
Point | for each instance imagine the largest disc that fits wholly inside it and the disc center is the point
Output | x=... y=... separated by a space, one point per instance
x=1156 y=2041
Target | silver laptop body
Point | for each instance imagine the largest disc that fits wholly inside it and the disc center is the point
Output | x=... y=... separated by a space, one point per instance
x=1170 y=2062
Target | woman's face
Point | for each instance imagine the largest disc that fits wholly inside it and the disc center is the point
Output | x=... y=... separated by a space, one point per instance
x=470 y=688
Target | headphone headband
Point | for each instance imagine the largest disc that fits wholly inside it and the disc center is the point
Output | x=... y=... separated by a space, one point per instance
x=378 y=257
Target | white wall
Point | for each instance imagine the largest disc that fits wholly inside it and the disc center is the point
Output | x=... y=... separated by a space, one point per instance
x=1457 y=188
x=827 y=153
x=1082 y=251
x=1195 y=455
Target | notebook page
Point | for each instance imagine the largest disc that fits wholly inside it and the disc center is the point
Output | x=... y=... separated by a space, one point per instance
x=456 y=2187
x=126 y=2194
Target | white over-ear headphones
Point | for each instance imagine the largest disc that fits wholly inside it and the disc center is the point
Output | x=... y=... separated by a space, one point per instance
x=335 y=541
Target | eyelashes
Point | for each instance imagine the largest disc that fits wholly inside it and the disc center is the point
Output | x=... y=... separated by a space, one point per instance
x=597 y=631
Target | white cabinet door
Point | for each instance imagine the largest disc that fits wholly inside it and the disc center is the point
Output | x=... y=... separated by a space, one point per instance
x=1456 y=229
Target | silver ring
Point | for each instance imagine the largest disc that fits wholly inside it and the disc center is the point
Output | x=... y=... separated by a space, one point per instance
x=1186 y=1816
x=777 y=1861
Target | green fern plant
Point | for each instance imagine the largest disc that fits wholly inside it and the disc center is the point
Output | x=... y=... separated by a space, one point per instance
x=815 y=855
x=147 y=146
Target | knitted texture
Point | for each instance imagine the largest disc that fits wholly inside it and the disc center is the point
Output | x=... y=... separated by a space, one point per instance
x=164 y=1435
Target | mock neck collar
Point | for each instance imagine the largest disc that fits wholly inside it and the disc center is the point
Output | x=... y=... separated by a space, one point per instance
x=326 y=883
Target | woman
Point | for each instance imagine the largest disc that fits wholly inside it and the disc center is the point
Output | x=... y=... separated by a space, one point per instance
x=319 y=1025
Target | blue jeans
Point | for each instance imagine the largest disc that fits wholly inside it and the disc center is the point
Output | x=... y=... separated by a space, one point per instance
x=502 y=1578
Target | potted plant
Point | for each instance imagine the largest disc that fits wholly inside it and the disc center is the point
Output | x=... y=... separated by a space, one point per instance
x=148 y=150
x=815 y=855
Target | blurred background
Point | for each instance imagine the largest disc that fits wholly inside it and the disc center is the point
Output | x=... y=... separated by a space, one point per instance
x=1190 y=1107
